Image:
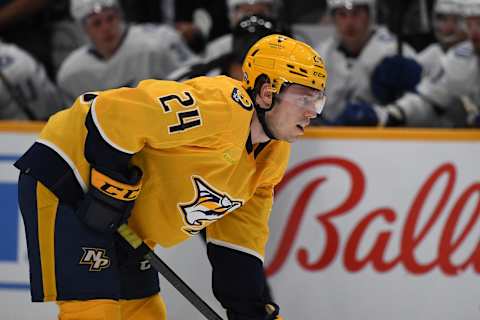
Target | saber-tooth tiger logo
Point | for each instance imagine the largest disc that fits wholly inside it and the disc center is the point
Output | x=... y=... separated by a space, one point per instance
x=208 y=206
x=96 y=258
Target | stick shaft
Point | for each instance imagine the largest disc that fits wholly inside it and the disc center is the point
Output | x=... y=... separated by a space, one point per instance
x=134 y=240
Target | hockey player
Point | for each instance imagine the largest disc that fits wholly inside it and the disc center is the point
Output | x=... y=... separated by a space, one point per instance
x=211 y=150
x=353 y=54
x=449 y=31
x=237 y=9
x=450 y=98
x=119 y=54
x=26 y=93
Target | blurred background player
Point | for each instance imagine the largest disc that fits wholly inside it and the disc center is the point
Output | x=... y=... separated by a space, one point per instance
x=238 y=9
x=201 y=21
x=358 y=50
x=26 y=92
x=449 y=31
x=247 y=31
x=118 y=54
x=449 y=98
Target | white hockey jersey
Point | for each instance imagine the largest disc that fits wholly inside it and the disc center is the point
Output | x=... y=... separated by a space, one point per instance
x=24 y=85
x=147 y=52
x=430 y=59
x=459 y=76
x=349 y=78
x=218 y=47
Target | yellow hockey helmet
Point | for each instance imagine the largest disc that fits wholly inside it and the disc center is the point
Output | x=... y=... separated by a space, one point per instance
x=284 y=61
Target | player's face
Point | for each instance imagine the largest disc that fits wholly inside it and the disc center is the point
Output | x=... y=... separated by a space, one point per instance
x=294 y=107
x=448 y=29
x=473 y=30
x=104 y=29
x=352 y=25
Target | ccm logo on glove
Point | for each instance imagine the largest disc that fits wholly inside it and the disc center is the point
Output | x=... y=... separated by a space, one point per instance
x=113 y=188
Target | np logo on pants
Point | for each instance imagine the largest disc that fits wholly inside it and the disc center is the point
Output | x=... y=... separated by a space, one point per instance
x=95 y=258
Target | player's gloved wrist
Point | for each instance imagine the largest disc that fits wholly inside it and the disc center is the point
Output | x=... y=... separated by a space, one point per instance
x=110 y=199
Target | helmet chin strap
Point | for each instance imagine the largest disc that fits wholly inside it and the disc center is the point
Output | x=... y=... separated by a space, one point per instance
x=261 y=117
x=263 y=121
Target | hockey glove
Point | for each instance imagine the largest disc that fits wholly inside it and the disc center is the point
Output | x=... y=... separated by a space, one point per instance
x=364 y=114
x=357 y=114
x=270 y=312
x=394 y=76
x=110 y=199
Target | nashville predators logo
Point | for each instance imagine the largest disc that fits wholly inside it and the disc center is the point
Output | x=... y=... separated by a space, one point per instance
x=95 y=258
x=208 y=206
x=243 y=101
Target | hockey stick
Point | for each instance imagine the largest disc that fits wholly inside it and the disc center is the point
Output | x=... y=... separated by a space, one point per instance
x=139 y=246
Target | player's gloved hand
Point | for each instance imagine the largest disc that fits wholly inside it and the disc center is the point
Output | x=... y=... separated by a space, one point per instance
x=270 y=311
x=357 y=114
x=394 y=76
x=110 y=199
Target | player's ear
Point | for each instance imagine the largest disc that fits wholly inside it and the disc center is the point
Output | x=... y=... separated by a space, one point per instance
x=265 y=95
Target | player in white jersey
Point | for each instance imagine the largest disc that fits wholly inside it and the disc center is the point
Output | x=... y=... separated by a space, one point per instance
x=448 y=29
x=353 y=53
x=237 y=9
x=26 y=93
x=451 y=98
x=119 y=55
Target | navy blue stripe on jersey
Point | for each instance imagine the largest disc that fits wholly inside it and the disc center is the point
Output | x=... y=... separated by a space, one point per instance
x=259 y=148
x=100 y=153
x=238 y=282
x=27 y=198
x=249 y=144
x=47 y=166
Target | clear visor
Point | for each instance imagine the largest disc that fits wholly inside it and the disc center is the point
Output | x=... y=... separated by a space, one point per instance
x=313 y=100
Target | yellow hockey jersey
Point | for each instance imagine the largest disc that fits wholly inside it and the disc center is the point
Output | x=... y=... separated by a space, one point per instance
x=192 y=142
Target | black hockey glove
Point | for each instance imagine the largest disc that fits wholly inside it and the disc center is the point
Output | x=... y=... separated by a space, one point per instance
x=110 y=199
x=270 y=311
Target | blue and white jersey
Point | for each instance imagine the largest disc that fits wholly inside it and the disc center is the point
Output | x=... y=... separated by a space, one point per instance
x=25 y=85
x=147 y=52
x=349 y=78
x=430 y=59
